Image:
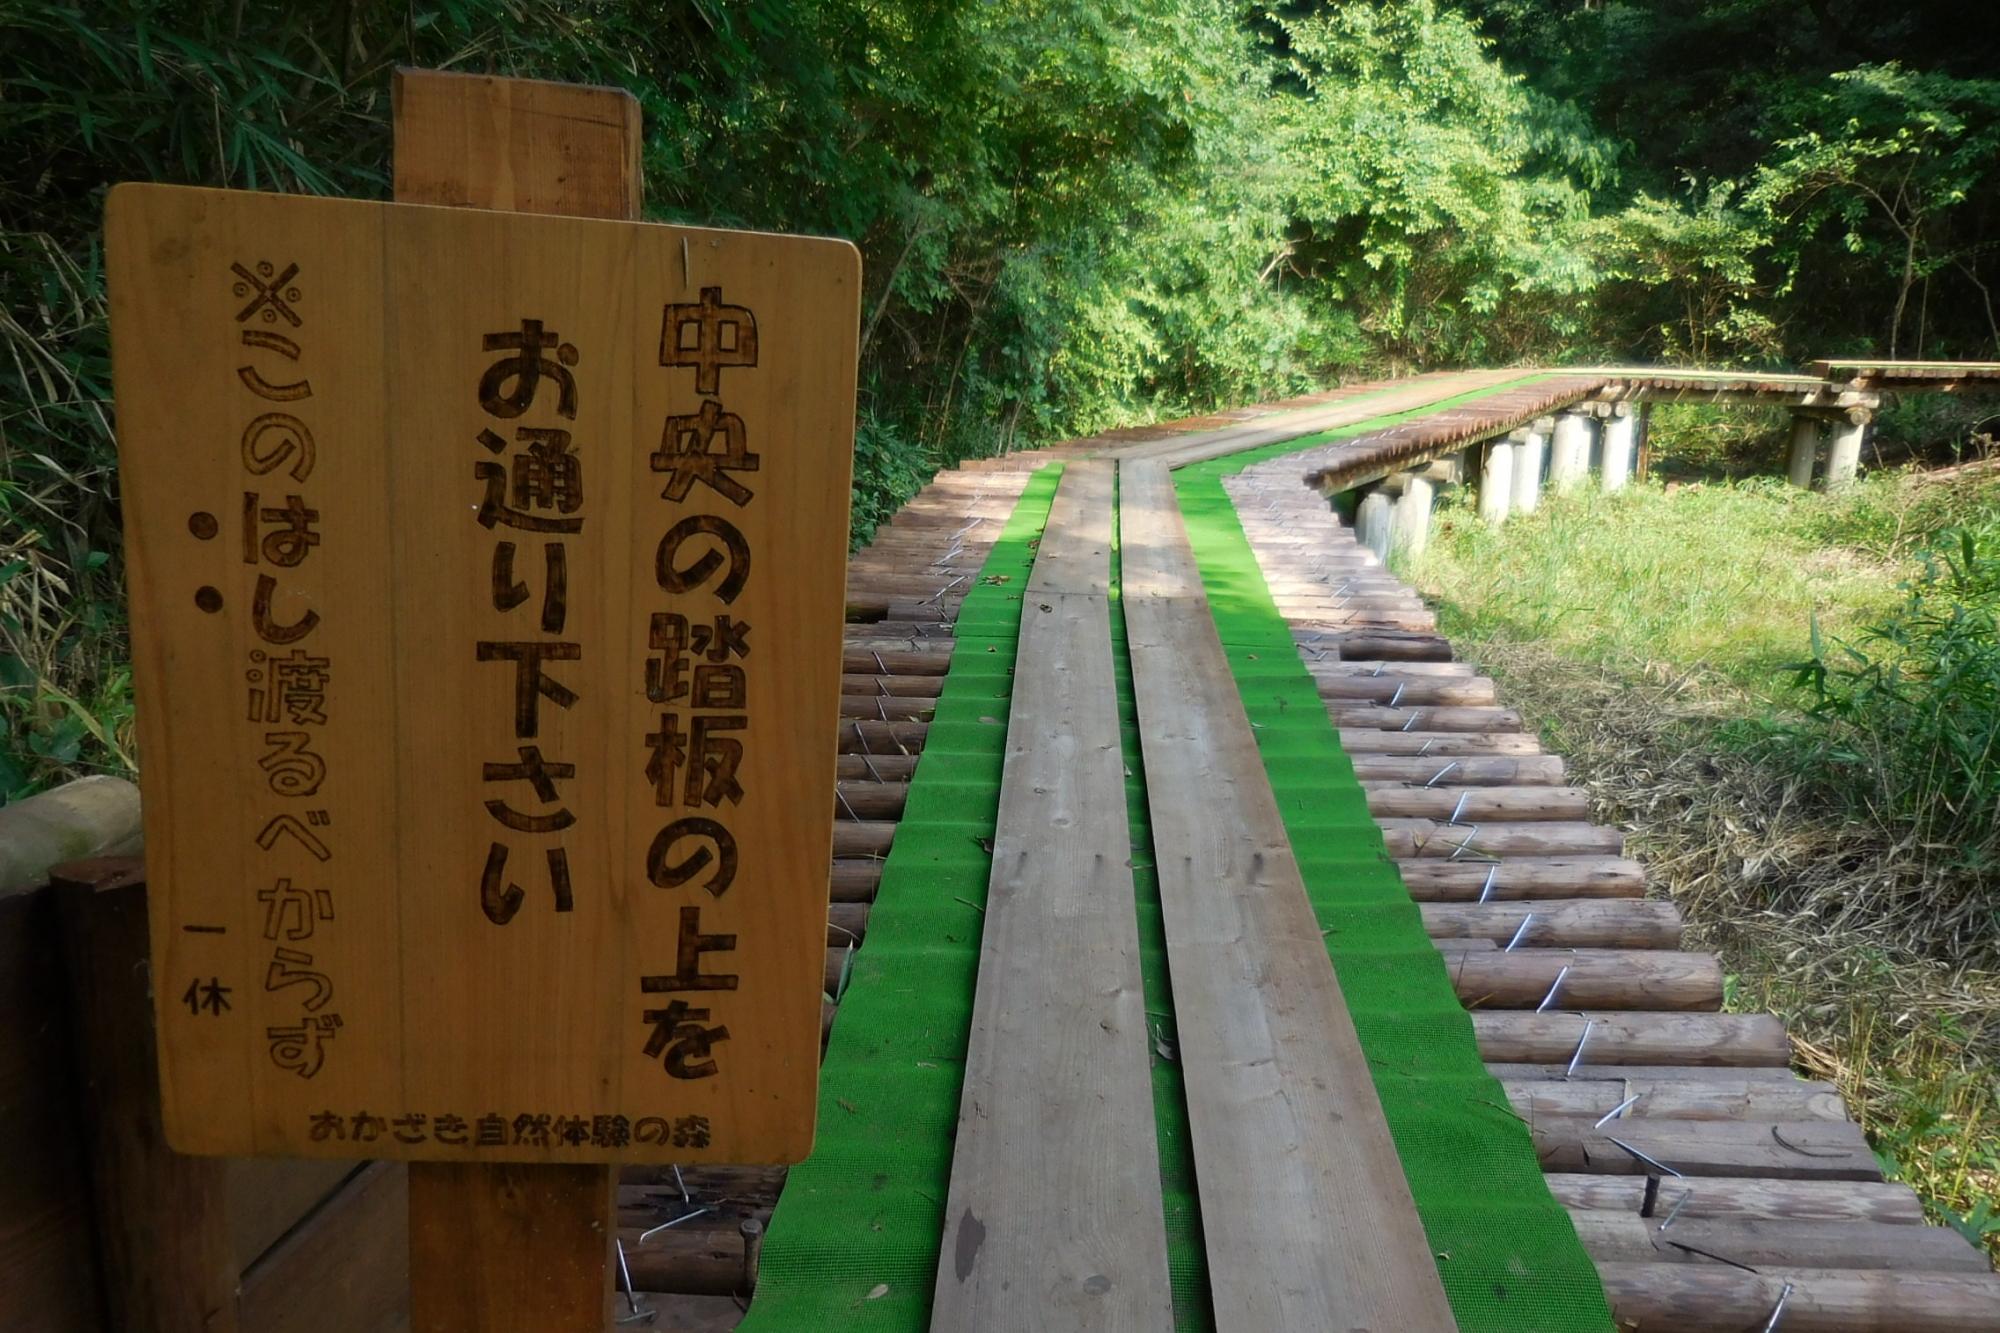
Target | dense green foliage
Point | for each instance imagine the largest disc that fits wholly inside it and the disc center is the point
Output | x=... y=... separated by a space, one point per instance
x=1796 y=176
x=1073 y=213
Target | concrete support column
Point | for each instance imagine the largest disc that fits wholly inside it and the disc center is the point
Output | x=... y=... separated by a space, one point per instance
x=1569 y=452
x=1532 y=449
x=1620 y=437
x=1371 y=522
x=1805 y=449
x=1843 y=454
x=1496 y=481
x=1410 y=523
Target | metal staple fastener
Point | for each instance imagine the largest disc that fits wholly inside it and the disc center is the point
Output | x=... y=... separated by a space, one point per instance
x=1577 y=1059
x=648 y=1234
x=1649 y=1161
x=939 y=594
x=635 y=1313
x=1778 y=1311
x=1617 y=1111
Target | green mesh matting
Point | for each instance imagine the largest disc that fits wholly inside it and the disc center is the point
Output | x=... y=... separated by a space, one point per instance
x=865 y=1213
x=1507 y=1254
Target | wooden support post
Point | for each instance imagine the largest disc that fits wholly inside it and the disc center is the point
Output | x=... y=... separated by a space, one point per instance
x=1410 y=523
x=1843 y=454
x=1619 y=431
x=1531 y=452
x=1645 y=434
x=513 y=1248
x=1371 y=522
x=1805 y=449
x=1496 y=481
x=162 y=1219
x=1569 y=455
x=510 y=1248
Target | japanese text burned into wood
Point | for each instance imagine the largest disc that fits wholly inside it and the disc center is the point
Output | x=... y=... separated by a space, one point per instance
x=486 y=582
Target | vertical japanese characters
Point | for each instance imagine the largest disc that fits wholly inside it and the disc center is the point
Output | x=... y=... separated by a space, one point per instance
x=695 y=674
x=486 y=619
x=288 y=678
x=533 y=488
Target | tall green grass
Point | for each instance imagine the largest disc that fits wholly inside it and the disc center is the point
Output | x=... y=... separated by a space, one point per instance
x=1904 y=715
x=1717 y=578
x=1855 y=637
x=1793 y=701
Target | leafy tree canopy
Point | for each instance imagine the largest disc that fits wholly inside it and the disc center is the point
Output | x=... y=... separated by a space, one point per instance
x=1072 y=212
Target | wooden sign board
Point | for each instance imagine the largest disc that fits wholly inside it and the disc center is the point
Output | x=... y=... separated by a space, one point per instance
x=486 y=579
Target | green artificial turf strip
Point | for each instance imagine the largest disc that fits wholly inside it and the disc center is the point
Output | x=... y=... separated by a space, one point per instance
x=866 y=1211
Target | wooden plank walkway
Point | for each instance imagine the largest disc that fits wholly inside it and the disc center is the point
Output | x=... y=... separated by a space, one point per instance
x=1054 y=1219
x=1758 y=1189
x=1306 y=1214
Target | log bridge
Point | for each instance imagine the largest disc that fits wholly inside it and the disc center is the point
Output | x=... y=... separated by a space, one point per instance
x=1595 y=421
x=1209 y=946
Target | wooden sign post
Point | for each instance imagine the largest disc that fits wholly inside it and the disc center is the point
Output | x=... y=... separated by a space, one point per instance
x=486 y=579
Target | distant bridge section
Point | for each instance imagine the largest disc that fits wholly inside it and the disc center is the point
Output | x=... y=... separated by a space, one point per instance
x=1557 y=429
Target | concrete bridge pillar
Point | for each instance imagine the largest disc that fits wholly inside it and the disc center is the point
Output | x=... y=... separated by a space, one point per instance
x=1371 y=522
x=1843 y=454
x=1496 y=480
x=1569 y=452
x=1805 y=448
x=1620 y=438
x=1410 y=521
x=1531 y=449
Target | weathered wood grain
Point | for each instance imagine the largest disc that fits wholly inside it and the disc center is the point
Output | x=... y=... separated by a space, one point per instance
x=451 y=972
x=1306 y=1214
x=577 y=149
x=1054 y=1219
